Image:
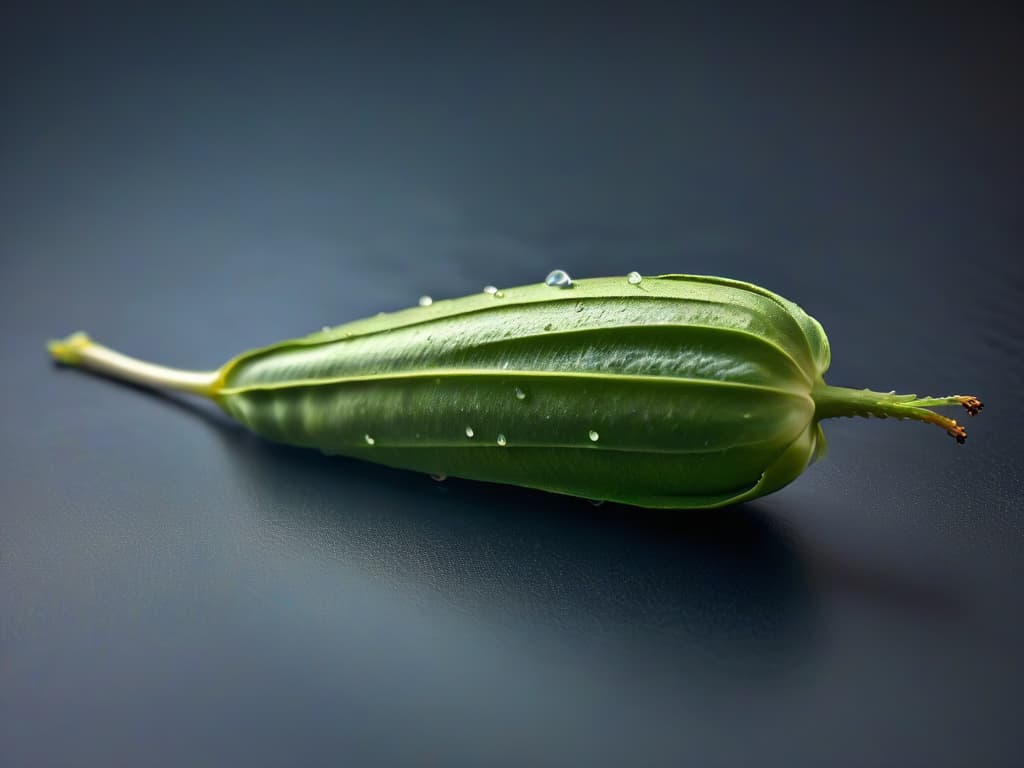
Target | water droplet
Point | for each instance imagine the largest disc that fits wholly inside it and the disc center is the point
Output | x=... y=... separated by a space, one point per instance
x=594 y=436
x=369 y=440
x=558 y=278
x=634 y=278
x=596 y=502
x=548 y=327
x=520 y=395
x=469 y=431
x=499 y=295
x=426 y=301
x=490 y=290
x=439 y=477
x=501 y=440
x=325 y=328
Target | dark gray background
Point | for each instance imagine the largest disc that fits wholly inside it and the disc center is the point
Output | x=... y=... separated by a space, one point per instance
x=188 y=184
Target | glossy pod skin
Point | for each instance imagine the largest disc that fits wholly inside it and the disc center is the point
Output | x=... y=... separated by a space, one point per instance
x=677 y=391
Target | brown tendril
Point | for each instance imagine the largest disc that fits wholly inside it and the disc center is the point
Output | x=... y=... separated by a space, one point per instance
x=972 y=404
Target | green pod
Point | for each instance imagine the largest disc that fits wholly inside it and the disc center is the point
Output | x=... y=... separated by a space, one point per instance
x=677 y=391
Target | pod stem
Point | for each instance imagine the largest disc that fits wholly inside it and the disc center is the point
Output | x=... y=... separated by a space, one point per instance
x=81 y=351
x=831 y=402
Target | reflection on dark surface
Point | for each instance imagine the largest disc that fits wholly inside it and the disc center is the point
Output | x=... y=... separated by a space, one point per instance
x=728 y=584
x=933 y=604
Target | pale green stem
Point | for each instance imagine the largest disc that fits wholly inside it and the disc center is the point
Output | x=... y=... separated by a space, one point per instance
x=79 y=350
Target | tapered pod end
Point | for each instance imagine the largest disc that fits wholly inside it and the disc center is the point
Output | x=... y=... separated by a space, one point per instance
x=970 y=403
x=973 y=407
x=69 y=350
x=841 y=401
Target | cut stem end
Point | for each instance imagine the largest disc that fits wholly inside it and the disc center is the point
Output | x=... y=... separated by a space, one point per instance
x=67 y=350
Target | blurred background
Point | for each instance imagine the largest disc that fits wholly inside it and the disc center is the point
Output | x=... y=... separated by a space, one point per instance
x=188 y=182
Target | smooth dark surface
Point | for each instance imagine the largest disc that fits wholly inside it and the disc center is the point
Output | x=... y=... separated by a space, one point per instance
x=183 y=186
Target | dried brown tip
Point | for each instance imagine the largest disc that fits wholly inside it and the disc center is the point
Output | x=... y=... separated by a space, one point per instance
x=957 y=431
x=972 y=404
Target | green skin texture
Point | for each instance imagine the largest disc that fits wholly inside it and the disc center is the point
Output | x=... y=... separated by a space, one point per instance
x=679 y=391
x=701 y=390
